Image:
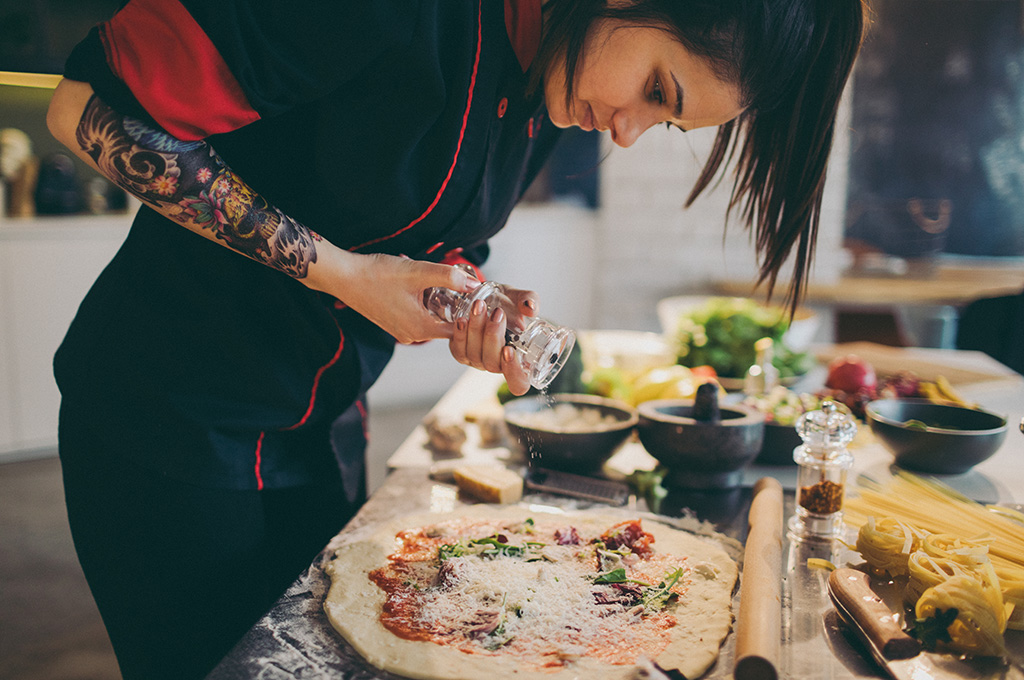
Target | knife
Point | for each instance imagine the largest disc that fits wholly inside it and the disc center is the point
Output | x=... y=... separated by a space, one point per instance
x=899 y=654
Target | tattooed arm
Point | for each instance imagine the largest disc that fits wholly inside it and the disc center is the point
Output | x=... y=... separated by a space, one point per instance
x=190 y=184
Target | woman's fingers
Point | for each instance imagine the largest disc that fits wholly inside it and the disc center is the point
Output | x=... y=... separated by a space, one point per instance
x=477 y=340
x=526 y=301
x=493 y=341
x=516 y=378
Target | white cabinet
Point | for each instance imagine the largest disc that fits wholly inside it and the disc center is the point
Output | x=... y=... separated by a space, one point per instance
x=47 y=265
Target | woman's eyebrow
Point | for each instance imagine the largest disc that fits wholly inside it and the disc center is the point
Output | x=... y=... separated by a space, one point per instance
x=679 y=96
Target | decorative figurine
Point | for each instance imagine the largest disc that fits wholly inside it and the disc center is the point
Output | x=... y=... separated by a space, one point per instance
x=19 y=171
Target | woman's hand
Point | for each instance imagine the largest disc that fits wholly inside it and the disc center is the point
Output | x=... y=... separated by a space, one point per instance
x=479 y=341
x=388 y=291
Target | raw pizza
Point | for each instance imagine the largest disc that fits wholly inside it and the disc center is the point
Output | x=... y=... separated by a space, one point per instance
x=502 y=592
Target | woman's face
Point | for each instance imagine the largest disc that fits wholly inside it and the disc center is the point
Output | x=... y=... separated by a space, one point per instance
x=630 y=78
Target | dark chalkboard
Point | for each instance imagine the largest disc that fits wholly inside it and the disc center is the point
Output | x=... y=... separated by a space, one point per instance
x=937 y=154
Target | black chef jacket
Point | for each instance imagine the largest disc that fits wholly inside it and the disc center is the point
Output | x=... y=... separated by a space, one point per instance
x=385 y=126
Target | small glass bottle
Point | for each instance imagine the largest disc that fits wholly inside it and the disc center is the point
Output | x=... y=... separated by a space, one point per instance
x=543 y=347
x=762 y=377
x=824 y=461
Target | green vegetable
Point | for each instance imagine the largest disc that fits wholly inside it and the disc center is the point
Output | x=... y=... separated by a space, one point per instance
x=450 y=550
x=722 y=334
x=932 y=631
x=616 y=576
x=647 y=484
x=490 y=547
x=658 y=596
x=496 y=547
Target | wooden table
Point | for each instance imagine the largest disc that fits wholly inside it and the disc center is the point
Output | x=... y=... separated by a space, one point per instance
x=954 y=285
x=925 y=309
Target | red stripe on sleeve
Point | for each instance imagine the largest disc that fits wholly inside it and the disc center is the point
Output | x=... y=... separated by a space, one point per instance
x=174 y=70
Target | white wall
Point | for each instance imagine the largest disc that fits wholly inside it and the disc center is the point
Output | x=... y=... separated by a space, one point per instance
x=649 y=247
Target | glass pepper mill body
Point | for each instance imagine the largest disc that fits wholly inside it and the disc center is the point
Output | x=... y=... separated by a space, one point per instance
x=543 y=347
x=824 y=461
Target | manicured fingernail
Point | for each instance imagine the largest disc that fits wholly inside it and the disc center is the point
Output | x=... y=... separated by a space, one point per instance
x=507 y=354
x=461 y=324
x=498 y=315
x=531 y=305
x=478 y=308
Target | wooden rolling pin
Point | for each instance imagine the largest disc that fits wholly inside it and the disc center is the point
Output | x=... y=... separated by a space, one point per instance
x=759 y=622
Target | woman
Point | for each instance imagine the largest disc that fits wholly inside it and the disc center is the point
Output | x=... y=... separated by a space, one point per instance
x=212 y=405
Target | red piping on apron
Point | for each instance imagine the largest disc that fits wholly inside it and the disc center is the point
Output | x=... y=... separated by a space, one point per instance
x=458 y=147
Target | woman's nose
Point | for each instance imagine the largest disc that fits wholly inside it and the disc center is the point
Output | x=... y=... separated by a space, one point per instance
x=626 y=128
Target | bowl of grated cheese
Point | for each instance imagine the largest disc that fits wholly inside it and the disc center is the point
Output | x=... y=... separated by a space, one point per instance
x=571 y=432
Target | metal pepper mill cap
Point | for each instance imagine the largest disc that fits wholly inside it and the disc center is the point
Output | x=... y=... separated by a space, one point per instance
x=824 y=461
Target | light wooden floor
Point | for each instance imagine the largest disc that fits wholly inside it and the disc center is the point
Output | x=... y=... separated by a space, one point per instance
x=49 y=626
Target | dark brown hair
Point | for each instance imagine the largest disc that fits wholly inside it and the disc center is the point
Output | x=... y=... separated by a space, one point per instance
x=791 y=60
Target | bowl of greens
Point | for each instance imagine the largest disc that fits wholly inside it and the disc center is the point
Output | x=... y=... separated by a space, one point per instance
x=721 y=332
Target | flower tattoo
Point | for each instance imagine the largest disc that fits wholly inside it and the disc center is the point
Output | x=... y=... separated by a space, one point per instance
x=188 y=182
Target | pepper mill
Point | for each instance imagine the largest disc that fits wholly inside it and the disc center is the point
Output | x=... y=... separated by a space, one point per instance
x=543 y=347
x=824 y=461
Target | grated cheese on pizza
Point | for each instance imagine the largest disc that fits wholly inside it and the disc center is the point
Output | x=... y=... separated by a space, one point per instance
x=541 y=593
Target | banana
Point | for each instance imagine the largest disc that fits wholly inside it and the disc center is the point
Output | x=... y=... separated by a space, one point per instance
x=946 y=389
x=930 y=391
x=941 y=392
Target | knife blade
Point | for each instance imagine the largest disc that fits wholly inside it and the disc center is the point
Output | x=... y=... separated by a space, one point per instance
x=899 y=654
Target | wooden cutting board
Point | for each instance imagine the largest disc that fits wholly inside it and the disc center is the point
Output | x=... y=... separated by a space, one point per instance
x=960 y=367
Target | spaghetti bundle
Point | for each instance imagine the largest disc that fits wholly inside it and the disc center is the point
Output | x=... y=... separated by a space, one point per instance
x=886 y=545
x=934 y=508
x=981 y=615
x=927 y=571
x=955 y=553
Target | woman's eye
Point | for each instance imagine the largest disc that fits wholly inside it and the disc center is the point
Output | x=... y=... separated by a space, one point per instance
x=657 y=93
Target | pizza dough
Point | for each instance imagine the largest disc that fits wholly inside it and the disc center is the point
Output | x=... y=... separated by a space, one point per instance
x=700 y=619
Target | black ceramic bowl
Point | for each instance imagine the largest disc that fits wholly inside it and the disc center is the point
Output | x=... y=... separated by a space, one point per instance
x=569 y=432
x=779 y=442
x=938 y=438
x=700 y=455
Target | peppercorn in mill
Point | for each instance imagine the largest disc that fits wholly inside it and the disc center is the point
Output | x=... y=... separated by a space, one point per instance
x=824 y=460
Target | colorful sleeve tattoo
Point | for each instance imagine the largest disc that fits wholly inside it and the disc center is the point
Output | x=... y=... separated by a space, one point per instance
x=190 y=183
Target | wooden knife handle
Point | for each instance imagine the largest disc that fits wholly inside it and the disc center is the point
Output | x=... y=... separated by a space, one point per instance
x=759 y=621
x=852 y=591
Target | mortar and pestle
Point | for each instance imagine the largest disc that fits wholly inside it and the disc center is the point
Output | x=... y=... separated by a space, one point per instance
x=701 y=445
